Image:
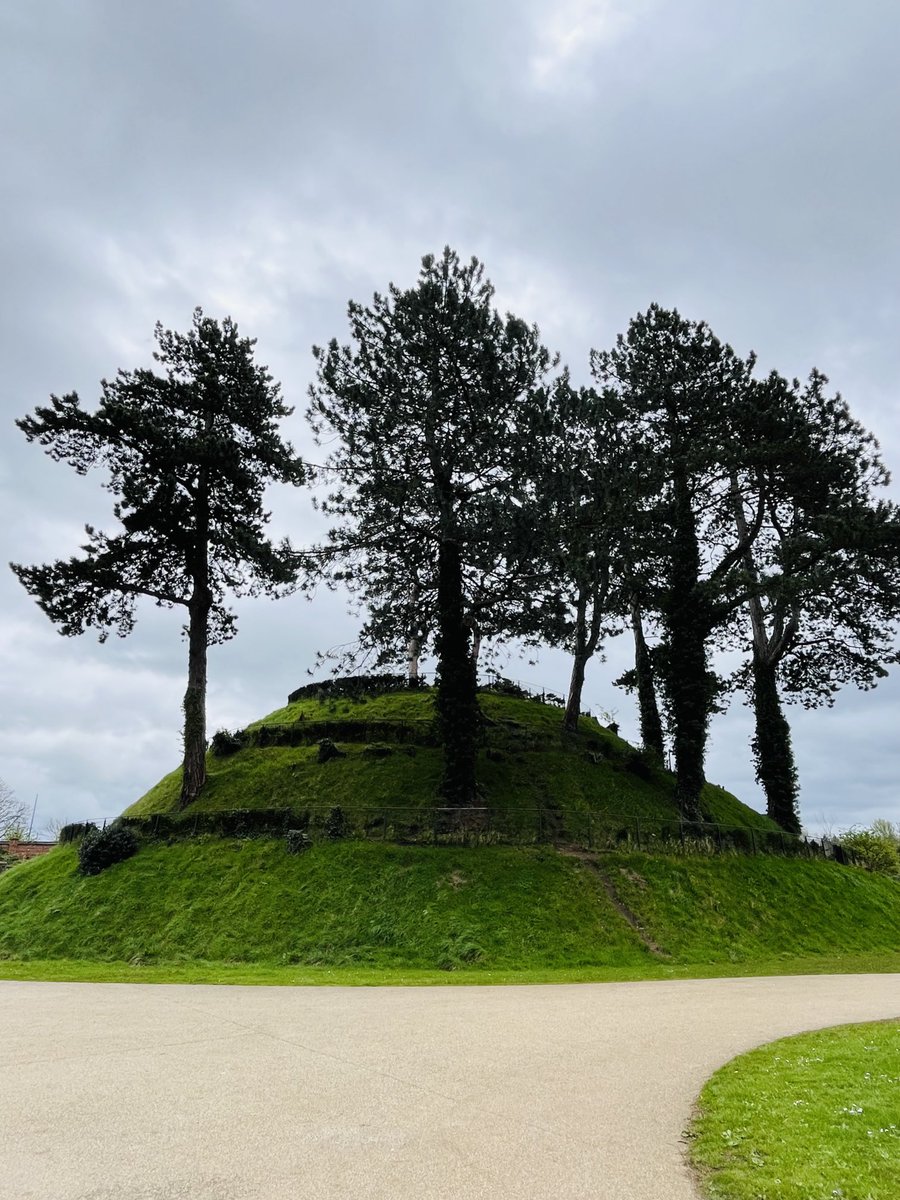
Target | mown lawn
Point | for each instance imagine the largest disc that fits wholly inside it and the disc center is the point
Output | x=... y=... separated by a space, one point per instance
x=806 y=1117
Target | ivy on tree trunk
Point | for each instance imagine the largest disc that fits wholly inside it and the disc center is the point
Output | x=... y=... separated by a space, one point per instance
x=772 y=749
x=457 y=698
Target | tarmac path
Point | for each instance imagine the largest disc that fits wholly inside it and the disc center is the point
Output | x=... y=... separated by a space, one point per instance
x=160 y=1092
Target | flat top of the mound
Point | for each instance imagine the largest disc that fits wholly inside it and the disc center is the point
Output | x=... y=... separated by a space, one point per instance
x=389 y=759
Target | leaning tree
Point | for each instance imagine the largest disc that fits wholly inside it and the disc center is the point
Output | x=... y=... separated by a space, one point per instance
x=424 y=410
x=189 y=450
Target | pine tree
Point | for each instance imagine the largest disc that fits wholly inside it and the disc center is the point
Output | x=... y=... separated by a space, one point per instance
x=189 y=451
x=426 y=407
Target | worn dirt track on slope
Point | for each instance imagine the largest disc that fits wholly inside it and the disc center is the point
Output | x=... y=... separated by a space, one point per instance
x=145 y=1092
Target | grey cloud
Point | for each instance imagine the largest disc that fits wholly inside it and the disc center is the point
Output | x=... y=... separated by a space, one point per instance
x=274 y=160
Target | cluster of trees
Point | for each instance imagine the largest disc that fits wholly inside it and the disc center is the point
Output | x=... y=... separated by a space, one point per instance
x=476 y=494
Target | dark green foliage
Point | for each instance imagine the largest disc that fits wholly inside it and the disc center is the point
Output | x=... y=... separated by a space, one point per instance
x=642 y=763
x=297 y=840
x=239 y=822
x=102 y=848
x=327 y=751
x=224 y=743
x=683 y=400
x=189 y=452
x=426 y=409
x=351 y=687
x=74 y=831
x=336 y=826
x=772 y=751
x=506 y=687
x=823 y=572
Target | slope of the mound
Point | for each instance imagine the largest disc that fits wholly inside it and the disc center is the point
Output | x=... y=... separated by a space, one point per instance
x=389 y=759
x=385 y=906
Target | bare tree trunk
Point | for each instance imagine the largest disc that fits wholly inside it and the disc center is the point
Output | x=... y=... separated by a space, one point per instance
x=579 y=663
x=648 y=707
x=194 y=768
x=413 y=645
x=193 y=775
x=476 y=644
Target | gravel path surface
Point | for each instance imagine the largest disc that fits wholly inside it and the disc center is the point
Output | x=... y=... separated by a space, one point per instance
x=158 y=1092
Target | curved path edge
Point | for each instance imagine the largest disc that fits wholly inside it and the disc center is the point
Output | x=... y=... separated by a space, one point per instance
x=153 y=1092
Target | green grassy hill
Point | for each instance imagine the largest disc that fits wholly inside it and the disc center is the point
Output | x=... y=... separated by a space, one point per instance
x=391 y=760
x=369 y=904
x=380 y=906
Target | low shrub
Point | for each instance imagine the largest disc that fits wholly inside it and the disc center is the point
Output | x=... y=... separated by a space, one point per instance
x=640 y=764
x=297 y=840
x=224 y=743
x=335 y=826
x=873 y=849
x=101 y=848
x=75 y=831
x=328 y=750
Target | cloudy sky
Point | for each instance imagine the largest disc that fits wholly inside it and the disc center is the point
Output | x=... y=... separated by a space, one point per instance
x=271 y=160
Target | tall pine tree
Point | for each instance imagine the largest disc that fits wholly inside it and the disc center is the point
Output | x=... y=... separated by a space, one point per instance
x=189 y=450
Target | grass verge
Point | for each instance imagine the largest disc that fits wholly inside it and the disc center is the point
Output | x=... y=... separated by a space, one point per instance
x=805 y=1117
x=273 y=975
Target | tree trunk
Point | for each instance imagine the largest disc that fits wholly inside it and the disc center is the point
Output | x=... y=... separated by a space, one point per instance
x=687 y=673
x=579 y=663
x=413 y=644
x=648 y=708
x=194 y=767
x=457 y=698
x=476 y=646
x=412 y=661
x=773 y=753
x=772 y=749
x=193 y=775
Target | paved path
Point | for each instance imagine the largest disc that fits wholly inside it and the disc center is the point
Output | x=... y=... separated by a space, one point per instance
x=151 y=1092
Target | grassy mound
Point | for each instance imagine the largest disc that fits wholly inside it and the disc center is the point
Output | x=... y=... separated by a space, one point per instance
x=362 y=904
x=390 y=759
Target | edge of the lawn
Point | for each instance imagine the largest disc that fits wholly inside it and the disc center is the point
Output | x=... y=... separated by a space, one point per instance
x=270 y=974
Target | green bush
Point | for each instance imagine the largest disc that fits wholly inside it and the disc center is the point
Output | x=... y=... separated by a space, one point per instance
x=224 y=743
x=873 y=849
x=100 y=848
x=336 y=825
x=297 y=840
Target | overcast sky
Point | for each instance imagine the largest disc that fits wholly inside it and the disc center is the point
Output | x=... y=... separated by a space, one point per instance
x=271 y=160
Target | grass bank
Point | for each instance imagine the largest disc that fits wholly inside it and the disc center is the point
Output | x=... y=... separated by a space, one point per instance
x=814 y=1115
x=384 y=911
